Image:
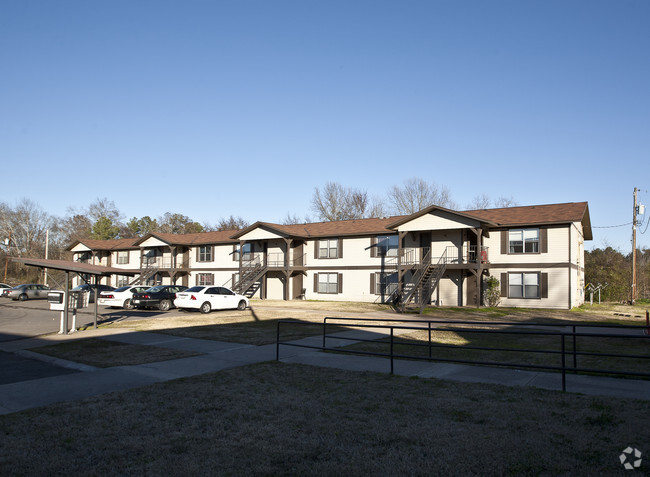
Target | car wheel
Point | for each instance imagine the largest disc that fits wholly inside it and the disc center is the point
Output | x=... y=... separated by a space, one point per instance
x=241 y=305
x=23 y=297
x=127 y=304
x=165 y=305
x=206 y=307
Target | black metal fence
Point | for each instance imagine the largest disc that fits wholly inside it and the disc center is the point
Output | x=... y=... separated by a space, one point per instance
x=567 y=355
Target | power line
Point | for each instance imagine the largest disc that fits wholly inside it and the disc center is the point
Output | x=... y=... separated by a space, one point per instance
x=611 y=226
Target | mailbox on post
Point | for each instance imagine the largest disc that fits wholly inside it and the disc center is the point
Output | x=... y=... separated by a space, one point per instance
x=55 y=299
x=76 y=300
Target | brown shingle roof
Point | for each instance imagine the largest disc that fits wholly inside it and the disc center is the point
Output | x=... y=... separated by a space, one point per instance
x=533 y=214
x=201 y=238
x=339 y=228
x=117 y=244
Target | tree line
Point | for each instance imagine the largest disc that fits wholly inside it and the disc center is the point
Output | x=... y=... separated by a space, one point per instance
x=611 y=270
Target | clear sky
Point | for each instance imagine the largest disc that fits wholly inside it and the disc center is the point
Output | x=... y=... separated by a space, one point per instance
x=216 y=108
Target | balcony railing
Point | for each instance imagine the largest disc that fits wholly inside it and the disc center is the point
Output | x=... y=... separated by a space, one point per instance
x=164 y=262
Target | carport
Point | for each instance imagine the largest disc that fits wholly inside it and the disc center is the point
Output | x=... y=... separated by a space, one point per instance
x=67 y=266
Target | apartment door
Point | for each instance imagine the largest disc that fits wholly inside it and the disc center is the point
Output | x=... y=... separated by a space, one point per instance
x=297 y=290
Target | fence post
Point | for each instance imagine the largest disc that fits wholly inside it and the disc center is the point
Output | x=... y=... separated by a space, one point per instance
x=563 y=364
x=277 y=343
x=429 y=339
x=575 y=356
x=324 y=328
x=391 y=351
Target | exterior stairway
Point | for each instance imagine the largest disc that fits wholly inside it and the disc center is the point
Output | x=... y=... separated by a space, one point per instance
x=422 y=284
x=251 y=272
x=145 y=275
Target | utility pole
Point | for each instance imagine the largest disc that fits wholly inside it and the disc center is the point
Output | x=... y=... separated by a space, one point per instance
x=635 y=212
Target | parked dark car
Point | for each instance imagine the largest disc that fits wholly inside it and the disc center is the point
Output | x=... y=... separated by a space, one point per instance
x=87 y=288
x=159 y=296
x=27 y=291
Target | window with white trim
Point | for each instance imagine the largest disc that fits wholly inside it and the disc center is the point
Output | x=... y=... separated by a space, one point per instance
x=328 y=283
x=523 y=241
x=121 y=281
x=523 y=285
x=328 y=248
x=205 y=279
x=122 y=257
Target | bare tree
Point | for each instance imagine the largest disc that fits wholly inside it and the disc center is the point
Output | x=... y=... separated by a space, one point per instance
x=336 y=202
x=294 y=220
x=505 y=202
x=417 y=194
x=24 y=228
x=482 y=201
x=232 y=223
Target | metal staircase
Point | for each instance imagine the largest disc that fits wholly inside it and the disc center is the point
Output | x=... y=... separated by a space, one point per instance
x=423 y=282
x=145 y=275
x=251 y=272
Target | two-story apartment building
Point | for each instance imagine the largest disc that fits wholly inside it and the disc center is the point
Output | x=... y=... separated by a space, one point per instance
x=437 y=256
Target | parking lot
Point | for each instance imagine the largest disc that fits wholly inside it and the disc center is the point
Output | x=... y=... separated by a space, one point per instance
x=25 y=319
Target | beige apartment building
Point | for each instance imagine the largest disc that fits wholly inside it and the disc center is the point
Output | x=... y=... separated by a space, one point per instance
x=436 y=256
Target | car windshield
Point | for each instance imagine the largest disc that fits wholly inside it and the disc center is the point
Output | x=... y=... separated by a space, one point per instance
x=156 y=289
x=121 y=289
x=195 y=289
x=80 y=287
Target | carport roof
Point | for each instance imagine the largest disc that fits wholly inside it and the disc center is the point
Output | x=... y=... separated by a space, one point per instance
x=78 y=267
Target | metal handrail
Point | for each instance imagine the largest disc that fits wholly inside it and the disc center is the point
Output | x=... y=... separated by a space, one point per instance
x=418 y=325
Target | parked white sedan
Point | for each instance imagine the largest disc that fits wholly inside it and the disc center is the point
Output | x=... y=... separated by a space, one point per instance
x=208 y=298
x=120 y=297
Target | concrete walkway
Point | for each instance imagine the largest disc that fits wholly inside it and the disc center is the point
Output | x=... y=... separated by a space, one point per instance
x=75 y=381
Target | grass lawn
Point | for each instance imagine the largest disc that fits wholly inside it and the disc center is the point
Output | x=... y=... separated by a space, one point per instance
x=280 y=419
x=460 y=345
x=105 y=354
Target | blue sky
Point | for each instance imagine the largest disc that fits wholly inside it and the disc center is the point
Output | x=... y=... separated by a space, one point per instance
x=218 y=108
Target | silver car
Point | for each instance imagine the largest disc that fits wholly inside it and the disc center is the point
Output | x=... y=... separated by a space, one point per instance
x=28 y=291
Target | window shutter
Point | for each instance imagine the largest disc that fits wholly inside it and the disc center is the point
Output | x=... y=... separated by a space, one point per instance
x=316 y=245
x=544 y=285
x=340 y=248
x=198 y=253
x=504 y=242
x=373 y=246
x=340 y=280
x=372 y=283
x=504 y=284
x=315 y=282
x=232 y=280
x=235 y=257
x=212 y=250
x=543 y=238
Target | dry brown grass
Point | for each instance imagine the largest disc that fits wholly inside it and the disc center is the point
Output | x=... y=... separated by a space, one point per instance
x=280 y=419
x=105 y=354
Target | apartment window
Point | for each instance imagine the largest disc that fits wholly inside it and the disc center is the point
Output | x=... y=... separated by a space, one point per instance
x=205 y=254
x=523 y=241
x=387 y=245
x=122 y=281
x=122 y=258
x=523 y=285
x=384 y=283
x=328 y=248
x=328 y=283
x=205 y=279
